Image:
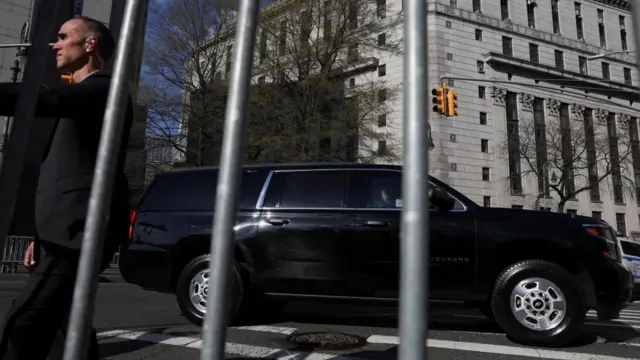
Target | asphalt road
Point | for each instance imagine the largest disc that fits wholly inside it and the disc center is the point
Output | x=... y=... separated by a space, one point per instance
x=136 y=324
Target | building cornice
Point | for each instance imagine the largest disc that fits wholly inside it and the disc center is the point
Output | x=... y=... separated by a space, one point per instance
x=527 y=32
x=573 y=79
x=618 y=4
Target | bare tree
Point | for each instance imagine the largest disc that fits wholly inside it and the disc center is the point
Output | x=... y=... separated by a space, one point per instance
x=319 y=92
x=568 y=157
x=180 y=70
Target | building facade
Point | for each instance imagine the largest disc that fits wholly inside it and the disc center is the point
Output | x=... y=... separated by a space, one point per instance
x=528 y=68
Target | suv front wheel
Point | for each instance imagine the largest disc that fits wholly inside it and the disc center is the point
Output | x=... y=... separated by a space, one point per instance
x=193 y=287
x=539 y=303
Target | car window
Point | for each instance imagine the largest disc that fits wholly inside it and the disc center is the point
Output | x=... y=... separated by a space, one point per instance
x=384 y=190
x=196 y=191
x=630 y=248
x=307 y=189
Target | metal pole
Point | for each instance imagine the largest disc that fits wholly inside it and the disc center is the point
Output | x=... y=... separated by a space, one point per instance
x=414 y=235
x=101 y=189
x=23 y=45
x=230 y=175
x=17 y=144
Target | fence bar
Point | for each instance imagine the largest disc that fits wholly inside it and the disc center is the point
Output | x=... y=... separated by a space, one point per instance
x=84 y=295
x=414 y=255
x=230 y=175
x=17 y=144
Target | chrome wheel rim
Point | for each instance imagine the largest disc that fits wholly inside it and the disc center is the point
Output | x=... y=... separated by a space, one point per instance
x=538 y=304
x=198 y=289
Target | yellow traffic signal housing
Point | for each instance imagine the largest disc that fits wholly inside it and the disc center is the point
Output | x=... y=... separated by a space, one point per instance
x=439 y=100
x=451 y=103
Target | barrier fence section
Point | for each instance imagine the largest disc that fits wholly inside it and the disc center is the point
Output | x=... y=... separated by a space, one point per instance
x=15 y=247
x=415 y=219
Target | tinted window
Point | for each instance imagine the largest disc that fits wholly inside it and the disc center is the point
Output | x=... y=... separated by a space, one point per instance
x=630 y=249
x=307 y=189
x=384 y=190
x=196 y=190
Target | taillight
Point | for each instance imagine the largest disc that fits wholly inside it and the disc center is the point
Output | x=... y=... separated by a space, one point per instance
x=607 y=235
x=132 y=219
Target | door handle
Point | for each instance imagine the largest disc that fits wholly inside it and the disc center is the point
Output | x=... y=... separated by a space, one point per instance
x=277 y=221
x=377 y=223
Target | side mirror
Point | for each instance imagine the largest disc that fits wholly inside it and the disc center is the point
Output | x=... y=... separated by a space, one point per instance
x=441 y=199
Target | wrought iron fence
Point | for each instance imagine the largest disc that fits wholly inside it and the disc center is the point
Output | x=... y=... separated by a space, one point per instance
x=13 y=255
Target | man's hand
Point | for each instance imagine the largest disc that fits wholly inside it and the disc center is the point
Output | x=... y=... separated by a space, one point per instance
x=29 y=259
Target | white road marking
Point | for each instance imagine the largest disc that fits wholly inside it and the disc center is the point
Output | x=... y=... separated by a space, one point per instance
x=266 y=328
x=252 y=351
x=499 y=349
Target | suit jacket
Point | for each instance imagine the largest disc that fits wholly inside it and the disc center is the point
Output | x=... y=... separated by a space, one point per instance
x=66 y=172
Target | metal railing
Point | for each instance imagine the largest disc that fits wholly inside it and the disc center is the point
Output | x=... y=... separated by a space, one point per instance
x=415 y=218
x=12 y=256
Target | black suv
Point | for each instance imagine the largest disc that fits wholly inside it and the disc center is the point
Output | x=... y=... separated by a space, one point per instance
x=331 y=231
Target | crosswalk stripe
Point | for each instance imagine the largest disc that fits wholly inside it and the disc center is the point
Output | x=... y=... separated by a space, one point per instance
x=252 y=351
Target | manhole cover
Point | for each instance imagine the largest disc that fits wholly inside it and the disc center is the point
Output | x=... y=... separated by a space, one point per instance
x=326 y=340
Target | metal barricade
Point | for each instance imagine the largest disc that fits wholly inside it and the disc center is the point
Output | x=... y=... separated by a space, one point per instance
x=13 y=254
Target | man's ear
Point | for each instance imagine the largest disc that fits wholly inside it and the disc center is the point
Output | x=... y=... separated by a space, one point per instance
x=91 y=44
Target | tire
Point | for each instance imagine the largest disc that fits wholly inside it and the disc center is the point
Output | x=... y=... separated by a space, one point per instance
x=187 y=282
x=553 y=282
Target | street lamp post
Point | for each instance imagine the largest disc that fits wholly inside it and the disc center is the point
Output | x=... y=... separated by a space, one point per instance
x=545 y=183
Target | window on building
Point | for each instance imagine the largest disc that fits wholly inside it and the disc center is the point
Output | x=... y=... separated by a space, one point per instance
x=504 y=9
x=616 y=175
x=382 y=147
x=531 y=15
x=480 y=65
x=477 y=5
x=567 y=149
x=559 y=55
x=483 y=118
x=453 y=3
x=596 y=215
x=606 y=73
x=555 y=17
x=582 y=63
x=635 y=155
x=382 y=70
x=541 y=145
x=486 y=201
x=592 y=161
x=484 y=145
x=382 y=8
x=485 y=174
x=534 y=56
x=623 y=33
x=481 y=92
x=627 y=76
x=478 y=35
x=621 y=224
x=579 y=29
x=601 y=29
x=382 y=39
x=513 y=142
x=382 y=120
x=507 y=46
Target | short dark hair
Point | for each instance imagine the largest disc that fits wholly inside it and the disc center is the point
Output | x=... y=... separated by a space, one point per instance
x=106 y=43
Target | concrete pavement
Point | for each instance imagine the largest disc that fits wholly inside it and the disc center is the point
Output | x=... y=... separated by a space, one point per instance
x=136 y=324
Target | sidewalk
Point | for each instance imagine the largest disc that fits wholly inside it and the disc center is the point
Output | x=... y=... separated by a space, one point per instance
x=110 y=275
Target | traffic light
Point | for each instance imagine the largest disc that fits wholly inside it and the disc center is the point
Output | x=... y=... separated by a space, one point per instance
x=439 y=99
x=451 y=103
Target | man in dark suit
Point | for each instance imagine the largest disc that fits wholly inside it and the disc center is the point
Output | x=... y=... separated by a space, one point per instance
x=37 y=321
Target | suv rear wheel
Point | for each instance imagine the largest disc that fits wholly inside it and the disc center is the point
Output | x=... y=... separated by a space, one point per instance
x=538 y=302
x=193 y=287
